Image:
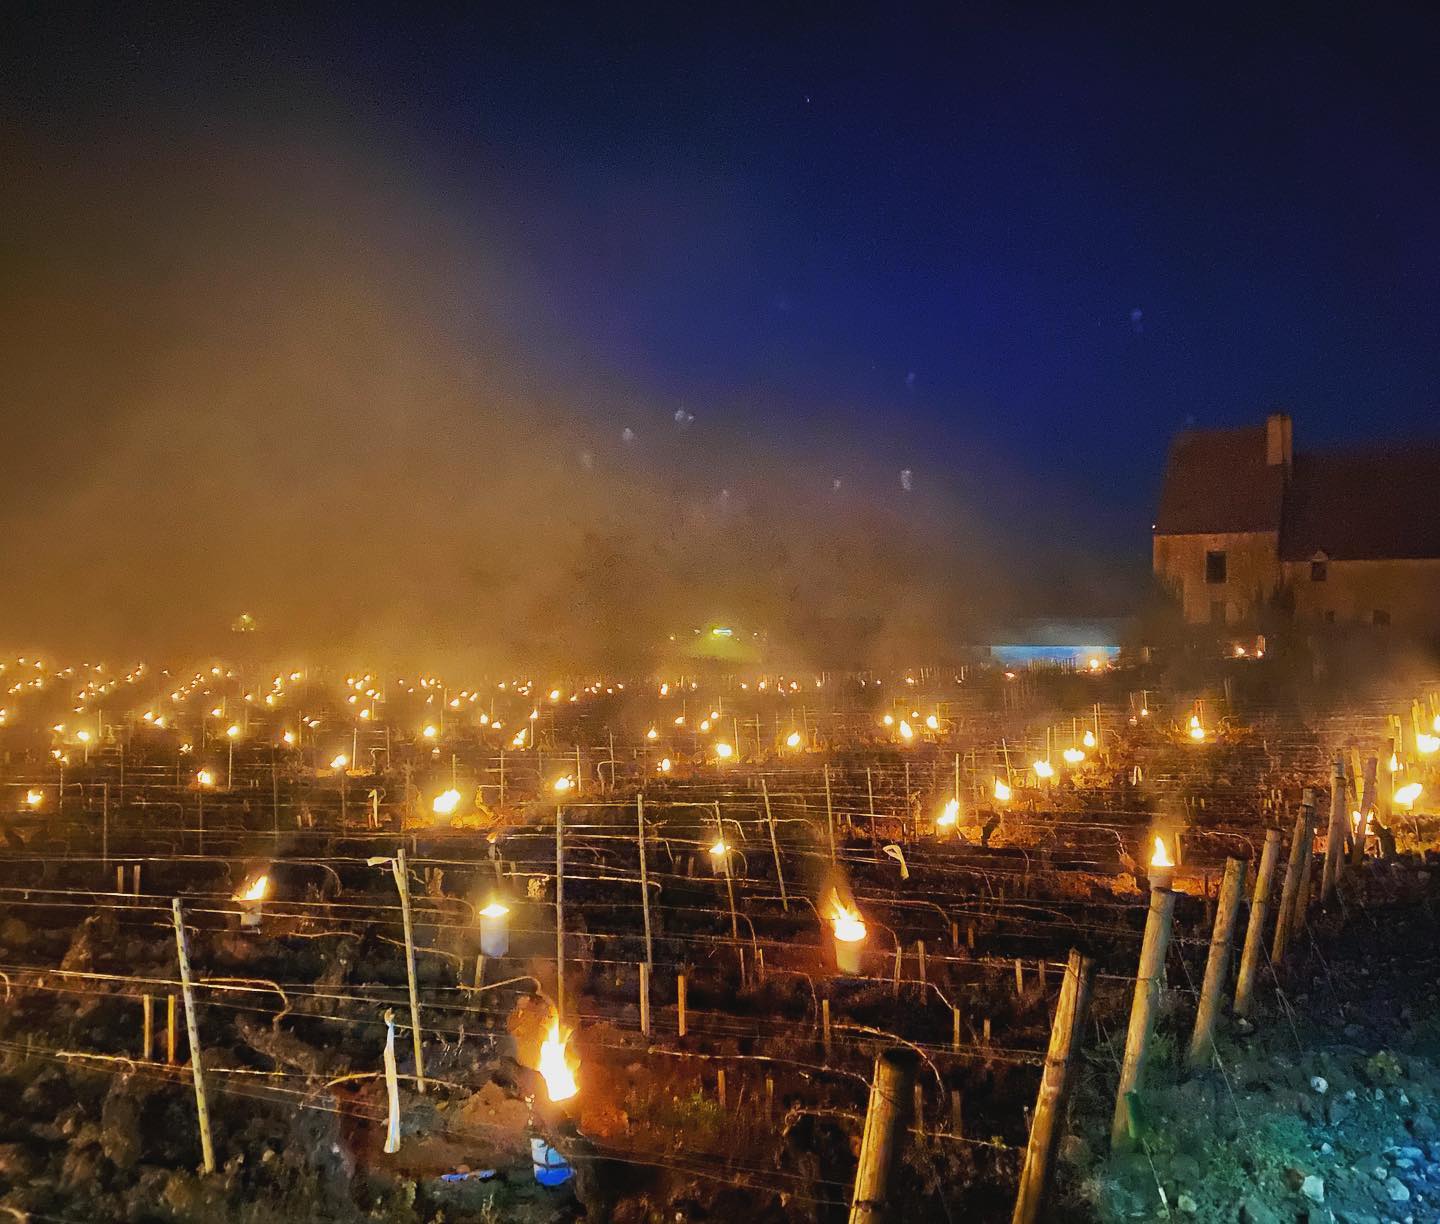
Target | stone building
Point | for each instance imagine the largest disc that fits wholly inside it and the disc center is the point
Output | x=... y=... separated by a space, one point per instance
x=1348 y=536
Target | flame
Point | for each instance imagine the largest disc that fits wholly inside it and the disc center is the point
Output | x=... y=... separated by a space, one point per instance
x=950 y=816
x=494 y=910
x=1393 y=765
x=562 y=785
x=559 y=1078
x=1408 y=793
x=446 y=802
x=1160 y=857
x=907 y=732
x=1088 y=739
x=259 y=886
x=34 y=798
x=1426 y=744
x=340 y=762
x=719 y=849
x=792 y=740
x=932 y=722
x=664 y=766
x=429 y=731
x=888 y=720
x=205 y=778
x=1197 y=732
x=849 y=927
x=724 y=751
x=1043 y=769
x=1002 y=791
x=1073 y=756
x=652 y=734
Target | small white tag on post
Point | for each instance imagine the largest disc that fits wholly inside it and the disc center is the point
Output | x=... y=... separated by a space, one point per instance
x=899 y=856
x=392 y=1086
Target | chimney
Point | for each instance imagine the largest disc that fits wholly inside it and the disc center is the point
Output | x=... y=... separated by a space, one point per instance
x=1278 y=449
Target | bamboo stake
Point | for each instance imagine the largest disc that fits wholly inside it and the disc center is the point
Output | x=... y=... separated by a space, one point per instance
x=774 y=845
x=1066 y=1035
x=1255 y=930
x=147 y=1040
x=1142 y=1010
x=680 y=1002
x=825 y=1025
x=1217 y=964
x=829 y=815
x=645 y=999
x=192 y=1030
x=171 y=1055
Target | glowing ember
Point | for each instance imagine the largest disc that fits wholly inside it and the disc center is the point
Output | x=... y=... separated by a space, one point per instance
x=259 y=886
x=1160 y=856
x=849 y=928
x=1408 y=793
x=1002 y=791
x=950 y=817
x=559 y=1078
x=446 y=802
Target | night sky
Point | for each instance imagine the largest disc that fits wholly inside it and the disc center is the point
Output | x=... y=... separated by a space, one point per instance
x=1010 y=250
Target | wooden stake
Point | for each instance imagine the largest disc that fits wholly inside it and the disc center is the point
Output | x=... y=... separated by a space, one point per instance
x=171 y=1055
x=957 y=1113
x=720 y=1087
x=1335 y=836
x=774 y=845
x=147 y=1040
x=680 y=1001
x=1066 y=1035
x=644 y=883
x=1255 y=930
x=825 y=1025
x=1367 y=810
x=1142 y=1010
x=890 y=1092
x=645 y=998
x=829 y=815
x=402 y=882
x=955 y=1028
x=920 y=957
x=192 y=1030
x=1217 y=964
x=1019 y=977
x=1290 y=889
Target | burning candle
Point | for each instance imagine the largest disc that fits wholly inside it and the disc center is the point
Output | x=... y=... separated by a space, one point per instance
x=849 y=935
x=446 y=803
x=1406 y=795
x=950 y=817
x=252 y=899
x=1162 y=866
x=495 y=930
x=559 y=1078
x=1002 y=791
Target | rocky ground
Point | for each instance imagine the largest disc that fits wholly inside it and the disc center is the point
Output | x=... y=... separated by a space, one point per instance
x=1326 y=1110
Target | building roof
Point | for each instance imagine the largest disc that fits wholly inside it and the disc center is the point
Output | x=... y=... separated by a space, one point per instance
x=1364 y=505
x=1217 y=481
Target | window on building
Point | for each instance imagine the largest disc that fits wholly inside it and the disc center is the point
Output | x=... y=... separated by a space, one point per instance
x=1319 y=570
x=1380 y=616
x=1215 y=567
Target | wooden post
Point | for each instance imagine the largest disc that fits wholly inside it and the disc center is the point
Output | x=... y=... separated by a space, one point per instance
x=192 y=1030
x=147 y=1039
x=825 y=1025
x=1142 y=1010
x=644 y=885
x=171 y=1054
x=1255 y=930
x=957 y=1113
x=829 y=815
x=955 y=1028
x=135 y=879
x=1019 y=976
x=1217 y=964
x=720 y=1087
x=560 y=910
x=120 y=877
x=1290 y=889
x=890 y=1094
x=1066 y=1034
x=402 y=882
x=1335 y=837
x=645 y=998
x=774 y=845
x=680 y=1002
x=1367 y=810
x=920 y=959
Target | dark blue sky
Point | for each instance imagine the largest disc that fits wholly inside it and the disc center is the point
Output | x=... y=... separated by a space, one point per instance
x=1011 y=248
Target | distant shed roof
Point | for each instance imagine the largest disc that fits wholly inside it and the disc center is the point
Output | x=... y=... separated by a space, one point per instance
x=1217 y=481
x=1364 y=505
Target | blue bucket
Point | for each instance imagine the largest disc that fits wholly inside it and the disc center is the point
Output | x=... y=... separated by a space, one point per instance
x=551 y=1168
